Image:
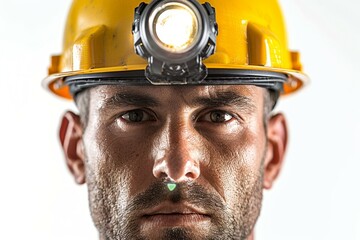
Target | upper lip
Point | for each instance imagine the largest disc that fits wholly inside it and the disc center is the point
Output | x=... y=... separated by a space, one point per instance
x=171 y=208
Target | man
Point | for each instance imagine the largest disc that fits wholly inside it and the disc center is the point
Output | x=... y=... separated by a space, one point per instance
x=171 y=146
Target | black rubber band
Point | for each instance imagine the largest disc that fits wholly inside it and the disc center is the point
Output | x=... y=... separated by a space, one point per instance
x=270 y=80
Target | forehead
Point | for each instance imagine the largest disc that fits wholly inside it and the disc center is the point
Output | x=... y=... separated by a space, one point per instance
x=102 y=96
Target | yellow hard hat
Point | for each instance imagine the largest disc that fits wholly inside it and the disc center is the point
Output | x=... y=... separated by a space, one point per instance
x=103 y=41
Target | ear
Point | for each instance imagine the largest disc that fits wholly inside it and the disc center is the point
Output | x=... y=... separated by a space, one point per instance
x=71 y=141
x=277 y=141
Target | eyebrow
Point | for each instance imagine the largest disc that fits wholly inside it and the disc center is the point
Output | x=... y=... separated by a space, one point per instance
x=221 y=99
x=130 y=99
x=227 y=98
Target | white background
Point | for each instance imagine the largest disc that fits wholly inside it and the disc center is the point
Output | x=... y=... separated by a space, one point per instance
x=317 y=195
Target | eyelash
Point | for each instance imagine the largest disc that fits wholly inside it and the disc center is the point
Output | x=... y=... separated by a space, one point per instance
x=141 y=113
x=207 y=117
x=225 y=117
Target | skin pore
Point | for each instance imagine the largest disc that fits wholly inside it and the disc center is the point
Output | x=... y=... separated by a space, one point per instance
x=219 y=144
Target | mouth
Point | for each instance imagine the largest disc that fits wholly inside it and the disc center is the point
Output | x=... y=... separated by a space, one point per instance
x=175 y=215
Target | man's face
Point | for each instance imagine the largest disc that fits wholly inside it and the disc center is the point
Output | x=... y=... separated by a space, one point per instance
x=209 y=140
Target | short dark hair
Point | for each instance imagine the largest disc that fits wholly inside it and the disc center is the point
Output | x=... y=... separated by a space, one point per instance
x=82 y=102
x=270 y=100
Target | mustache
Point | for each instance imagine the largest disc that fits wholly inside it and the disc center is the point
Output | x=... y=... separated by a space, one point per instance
x=157 y=193
x=191 y=192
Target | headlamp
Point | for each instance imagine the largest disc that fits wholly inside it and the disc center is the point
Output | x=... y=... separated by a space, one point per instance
x=175 y=36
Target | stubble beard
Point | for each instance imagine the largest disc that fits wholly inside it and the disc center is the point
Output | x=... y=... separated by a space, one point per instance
x=228 y=222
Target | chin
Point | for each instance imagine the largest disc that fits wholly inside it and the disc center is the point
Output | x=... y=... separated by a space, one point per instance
x=176 y=233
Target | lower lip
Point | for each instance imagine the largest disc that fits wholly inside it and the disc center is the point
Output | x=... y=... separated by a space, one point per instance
x=171 y=220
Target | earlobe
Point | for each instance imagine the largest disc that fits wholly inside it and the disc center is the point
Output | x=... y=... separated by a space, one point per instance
x=71 y=141
x=277 y=141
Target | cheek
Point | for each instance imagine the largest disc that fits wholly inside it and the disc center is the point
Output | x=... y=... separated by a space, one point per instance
x=115 y=162
x=237 y=163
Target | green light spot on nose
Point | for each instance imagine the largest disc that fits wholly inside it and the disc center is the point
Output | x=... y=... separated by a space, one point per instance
x=171 y=186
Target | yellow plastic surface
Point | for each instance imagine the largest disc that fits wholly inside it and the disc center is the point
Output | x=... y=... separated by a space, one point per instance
x=98 y=38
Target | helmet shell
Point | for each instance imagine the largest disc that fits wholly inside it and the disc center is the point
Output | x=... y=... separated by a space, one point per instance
x=98 y=38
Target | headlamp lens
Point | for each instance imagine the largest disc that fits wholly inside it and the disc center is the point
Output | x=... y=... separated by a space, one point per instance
x=175 y=27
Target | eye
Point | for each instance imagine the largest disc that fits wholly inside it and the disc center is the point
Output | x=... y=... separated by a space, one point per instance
x=217 y=117
x=135 y=116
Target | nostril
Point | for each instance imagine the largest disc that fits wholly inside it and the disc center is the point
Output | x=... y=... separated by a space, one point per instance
x=176 y=169
x=193 y=172
x=191 y=175
x=159 y=171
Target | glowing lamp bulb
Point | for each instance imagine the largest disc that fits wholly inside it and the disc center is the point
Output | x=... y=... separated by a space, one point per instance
x=176 y=28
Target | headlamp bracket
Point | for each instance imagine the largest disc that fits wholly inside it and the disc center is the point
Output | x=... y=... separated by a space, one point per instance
x=165 y=67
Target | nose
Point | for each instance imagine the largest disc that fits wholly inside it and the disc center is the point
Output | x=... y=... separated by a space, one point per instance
x=177 y=154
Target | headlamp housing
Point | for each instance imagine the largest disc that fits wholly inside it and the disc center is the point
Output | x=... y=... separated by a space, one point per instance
x=175 y=36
